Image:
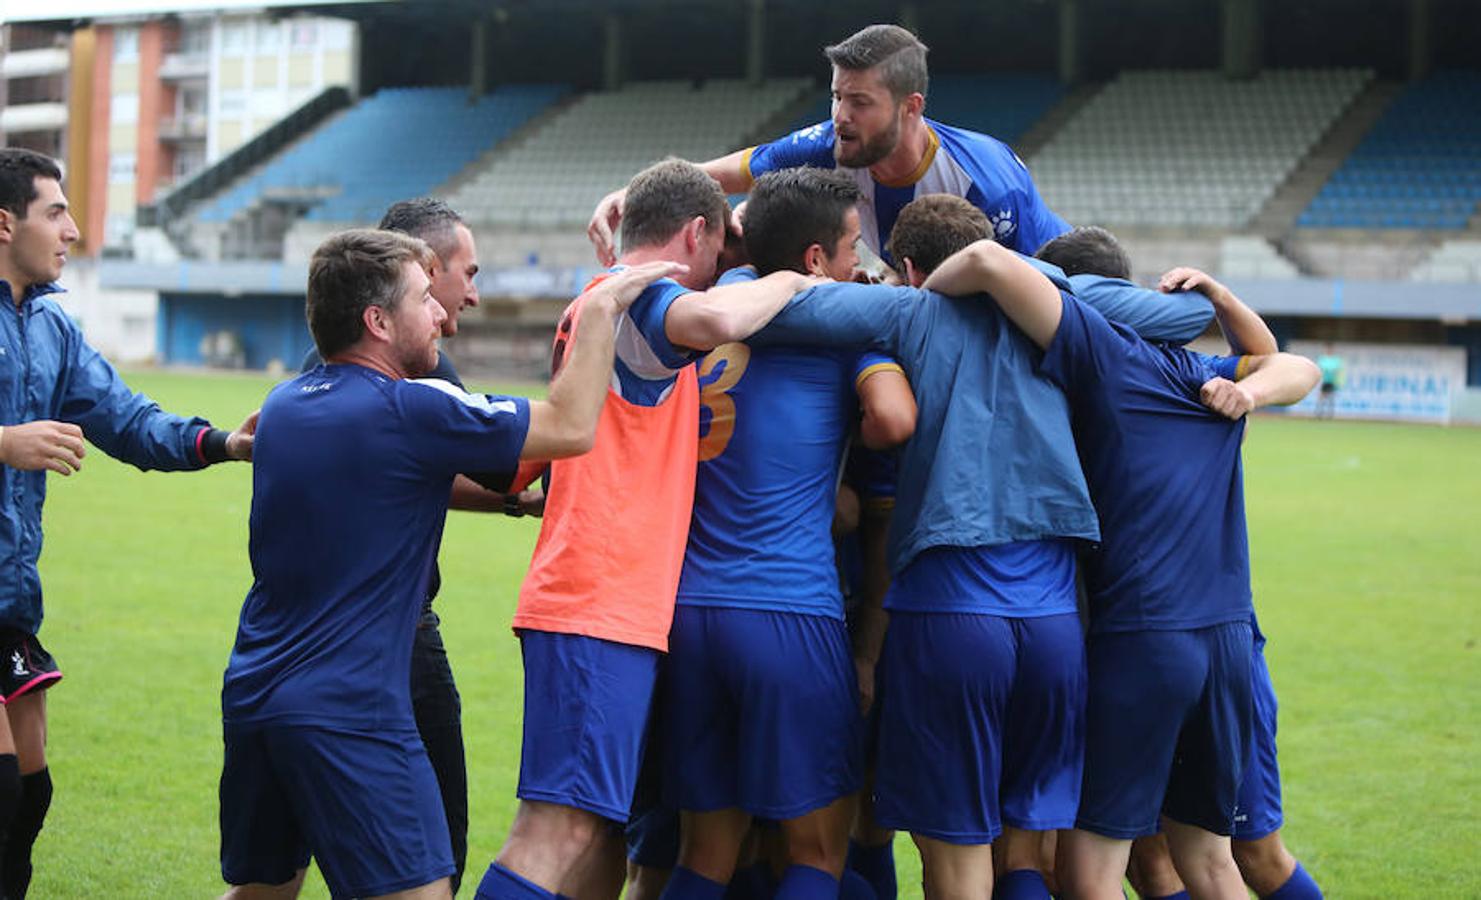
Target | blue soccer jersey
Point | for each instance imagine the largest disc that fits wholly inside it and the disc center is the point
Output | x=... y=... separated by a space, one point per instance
x=646 y=361
x=350 y=483
x=992 y=460
x=773 y=426
x=978 y=168
x=1022 y=579
x=1164 y=473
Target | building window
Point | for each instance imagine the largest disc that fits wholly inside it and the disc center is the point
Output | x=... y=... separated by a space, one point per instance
x=189 y=159
x=190 y=100
x=123 y=109
x=121 y=167
x=118 y=228
x=195 y=38
x=125 y=45
x=269 y=37
x=232 y=103
x=305 y=34
x=234 y=37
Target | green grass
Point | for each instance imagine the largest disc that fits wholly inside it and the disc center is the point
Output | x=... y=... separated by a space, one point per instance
x=1367 y=547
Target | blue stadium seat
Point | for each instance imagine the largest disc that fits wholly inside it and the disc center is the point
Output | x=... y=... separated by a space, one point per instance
x=1420 y=166
x=398 y=143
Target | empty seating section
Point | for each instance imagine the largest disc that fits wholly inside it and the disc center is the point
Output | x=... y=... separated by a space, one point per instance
x=1454 y=261
x=1163 y=148
x=397 y=143
x=1002 y=105
x=1420 y=166
x=559 y=173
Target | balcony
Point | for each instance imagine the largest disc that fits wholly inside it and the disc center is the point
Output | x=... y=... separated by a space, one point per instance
x=25 y=117
x=184 y=66
x=183 y=128
x=32 y=63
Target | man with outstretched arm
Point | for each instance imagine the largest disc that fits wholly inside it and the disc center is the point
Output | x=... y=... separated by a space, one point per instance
x=55 y=390
x=879 y=136
x=354 y=466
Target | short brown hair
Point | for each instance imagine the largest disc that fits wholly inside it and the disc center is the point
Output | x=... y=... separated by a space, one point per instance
x=899 y=55
x=19 y=169
x=351 y=272
x=792 y=209
x=933 y=227
x=665 y=196
x=1088 y=250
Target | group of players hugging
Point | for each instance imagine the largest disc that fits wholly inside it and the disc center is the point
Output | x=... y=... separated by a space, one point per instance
x=1041 y=659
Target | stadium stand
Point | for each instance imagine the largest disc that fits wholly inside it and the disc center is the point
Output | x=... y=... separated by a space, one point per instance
x=1251 y=256
x=1453 y=261
x=557 y=175
x=403 y=142
x=1178 y=149
x=1417 y=168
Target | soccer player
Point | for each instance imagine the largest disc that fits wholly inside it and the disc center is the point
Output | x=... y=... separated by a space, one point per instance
x=434 y=693
x=880 y=137
x=596 y=605
x=354 y=467
x=54 y=391
x=1098 y=267
x=1158 y=430
x=761 y=710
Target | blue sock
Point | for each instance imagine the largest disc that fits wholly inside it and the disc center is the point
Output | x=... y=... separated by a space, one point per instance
x=1021 y=884
x=877 y=865
x=1180 y=895
x=687 y=884
x=500 y=883
x=751 y=883
x=807 y=883
x=852 y=886
x=1300 y=886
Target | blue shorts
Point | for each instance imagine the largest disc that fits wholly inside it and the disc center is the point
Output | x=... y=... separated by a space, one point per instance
x=1259 y=812
x=364 y=804
x=981 y=724
x=1168 y=729
x=652 y=832
x=761 y=712
x=586 y=711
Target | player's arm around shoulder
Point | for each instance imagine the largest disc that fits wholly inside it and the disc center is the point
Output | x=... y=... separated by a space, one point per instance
x=565 y=424
x=1273 y=379
x=703 y=320
x=886 y=403
x=1024 y=294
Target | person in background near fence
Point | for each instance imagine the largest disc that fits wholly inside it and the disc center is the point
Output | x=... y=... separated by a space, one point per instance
x=55 y=390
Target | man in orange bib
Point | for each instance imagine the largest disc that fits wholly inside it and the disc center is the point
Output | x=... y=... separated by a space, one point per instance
x=595 y=608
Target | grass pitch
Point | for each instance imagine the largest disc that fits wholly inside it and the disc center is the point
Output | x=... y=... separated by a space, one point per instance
x=1367 y=559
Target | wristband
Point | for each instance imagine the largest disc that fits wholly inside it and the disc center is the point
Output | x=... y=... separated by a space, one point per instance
x=213 y=446
x=512 y=506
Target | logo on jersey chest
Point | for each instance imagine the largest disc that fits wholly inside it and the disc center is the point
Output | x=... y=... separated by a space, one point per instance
x=1002 y=225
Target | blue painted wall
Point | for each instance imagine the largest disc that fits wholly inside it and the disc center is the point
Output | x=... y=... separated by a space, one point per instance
x=270 y=327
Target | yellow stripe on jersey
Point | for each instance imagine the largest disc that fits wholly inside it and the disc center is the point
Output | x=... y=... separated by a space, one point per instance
x=745 y=167
x=875 y=369
x=925 y=163
x=879 y=504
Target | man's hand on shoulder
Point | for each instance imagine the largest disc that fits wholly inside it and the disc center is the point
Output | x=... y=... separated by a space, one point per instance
x=44 y=444
x=239 y=442
x=616 y=292
x=1187 y=278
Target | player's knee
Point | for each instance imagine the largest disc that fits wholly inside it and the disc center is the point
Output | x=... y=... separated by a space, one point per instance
x=10 y=790
x=1265 y=864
